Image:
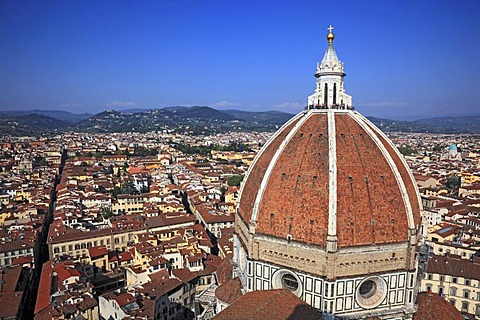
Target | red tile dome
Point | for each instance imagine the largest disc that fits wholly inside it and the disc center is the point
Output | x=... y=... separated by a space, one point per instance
x=331 y=173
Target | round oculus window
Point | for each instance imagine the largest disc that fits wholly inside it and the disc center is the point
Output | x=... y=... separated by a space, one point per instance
x=371 y=292
x=286 y=279
x=289 y=282
x=367 y=289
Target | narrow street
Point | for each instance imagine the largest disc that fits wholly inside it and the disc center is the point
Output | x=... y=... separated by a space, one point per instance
x=41 y=252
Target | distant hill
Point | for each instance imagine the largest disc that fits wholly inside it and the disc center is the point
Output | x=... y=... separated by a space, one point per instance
x=196 y=120
x=201 y=120
x=271 y=117
x=431 y=125
x=31 y=124
x=55 y=114
x=468 y=124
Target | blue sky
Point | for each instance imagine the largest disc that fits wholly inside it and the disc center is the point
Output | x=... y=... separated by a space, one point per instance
x=403 y=59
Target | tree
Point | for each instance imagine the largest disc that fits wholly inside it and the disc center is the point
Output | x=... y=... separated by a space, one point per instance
x=407 y=150
x=223 y=190
x=453 y=183
x=234 y=180
x=116 y=190
x=128 y=188
x=107 y=213
x=39 y=161
x=438 y=147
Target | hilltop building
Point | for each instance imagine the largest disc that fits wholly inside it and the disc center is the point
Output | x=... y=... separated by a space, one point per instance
x=330 y=211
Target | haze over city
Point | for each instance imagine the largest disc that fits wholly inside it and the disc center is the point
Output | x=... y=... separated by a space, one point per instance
x=403 y=59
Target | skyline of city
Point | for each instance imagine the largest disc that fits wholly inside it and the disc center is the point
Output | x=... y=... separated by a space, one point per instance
x=90 y=57
x=194 y=213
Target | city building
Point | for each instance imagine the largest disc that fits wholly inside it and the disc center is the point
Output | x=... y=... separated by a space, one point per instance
x=455 y=279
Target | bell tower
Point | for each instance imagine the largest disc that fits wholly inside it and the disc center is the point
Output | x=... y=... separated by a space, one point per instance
x=329 y=91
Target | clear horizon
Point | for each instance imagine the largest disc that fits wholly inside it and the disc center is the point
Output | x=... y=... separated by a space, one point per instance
x=403 y=59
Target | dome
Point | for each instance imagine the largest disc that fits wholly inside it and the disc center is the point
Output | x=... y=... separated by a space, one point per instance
x=330 y=173
x=330 y=211
x=453 y=147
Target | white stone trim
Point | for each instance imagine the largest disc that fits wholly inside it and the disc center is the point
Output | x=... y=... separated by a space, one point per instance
x=409 y=172
x=391 y=163
x=272 y=164
x=332 y=180
x=392 y=304
x=262 y=150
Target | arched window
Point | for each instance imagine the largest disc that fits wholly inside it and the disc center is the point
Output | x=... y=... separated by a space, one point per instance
x=325 y=95
x=453 y=291
x=334 y=94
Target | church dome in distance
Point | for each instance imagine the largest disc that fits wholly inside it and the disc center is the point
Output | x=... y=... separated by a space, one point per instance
x=453 y=147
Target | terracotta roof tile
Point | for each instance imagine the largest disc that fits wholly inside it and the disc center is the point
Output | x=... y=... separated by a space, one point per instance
x=257 y=172
x=295 y=201
x=10 y=302
x=433 y=307
x=454 y=266
x=268 y=304
x=229 y=291
x=43 y=295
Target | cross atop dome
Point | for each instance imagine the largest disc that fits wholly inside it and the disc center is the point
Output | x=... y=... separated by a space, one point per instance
x=330 y=35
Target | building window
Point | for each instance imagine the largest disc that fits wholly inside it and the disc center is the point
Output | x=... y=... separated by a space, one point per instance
x=454 y=280
x=289 y=282
x=453 y=291
x=466 y=294
x=429 y=277
x=442 y=278
x=371 y=292
x=468 y=282
x=464 y=306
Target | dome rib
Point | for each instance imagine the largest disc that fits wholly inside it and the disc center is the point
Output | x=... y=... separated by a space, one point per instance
x=272 y=164
x=258 y=168
x=332 y=184
x=393 y=166
x=303 y=182
x=405 y=173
